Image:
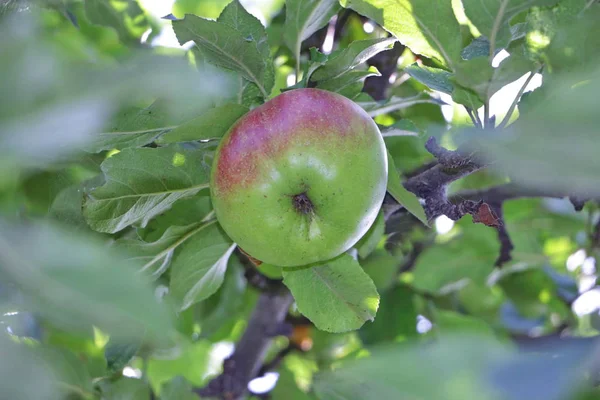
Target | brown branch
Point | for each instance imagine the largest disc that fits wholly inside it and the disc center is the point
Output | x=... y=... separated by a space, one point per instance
x=431 y=184
x=244 y=364
x=484 y=205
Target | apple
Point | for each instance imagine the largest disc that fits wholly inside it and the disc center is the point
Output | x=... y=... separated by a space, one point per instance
x=299 y=179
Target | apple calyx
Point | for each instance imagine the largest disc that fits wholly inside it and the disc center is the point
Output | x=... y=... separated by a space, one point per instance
x=302 y=204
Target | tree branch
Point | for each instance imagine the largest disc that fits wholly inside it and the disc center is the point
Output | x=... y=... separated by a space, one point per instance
x=244 y=364
x=484 y=205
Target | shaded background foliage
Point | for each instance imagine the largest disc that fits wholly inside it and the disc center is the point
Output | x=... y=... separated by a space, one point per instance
x=477 y=281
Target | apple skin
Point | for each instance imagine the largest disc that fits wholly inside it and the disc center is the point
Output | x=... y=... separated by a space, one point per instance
x=299 y=179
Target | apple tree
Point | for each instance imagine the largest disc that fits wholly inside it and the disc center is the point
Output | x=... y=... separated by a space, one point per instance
x=299 y=199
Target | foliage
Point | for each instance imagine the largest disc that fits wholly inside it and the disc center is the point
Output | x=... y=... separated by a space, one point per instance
x=117 y=281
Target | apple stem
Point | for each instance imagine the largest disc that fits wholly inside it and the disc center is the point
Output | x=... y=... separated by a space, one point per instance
x=302 y=204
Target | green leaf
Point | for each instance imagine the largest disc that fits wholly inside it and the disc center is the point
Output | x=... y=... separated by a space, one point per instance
x=396 y=319
x=433 y=78
x=20 y=365
x=574 y=37
x=492 y=17
x=371 y=239
x=118 y=354
x=407 y=199
x=479 y=76
x=350 y=57
x=156 y=256
x=531 y=151
x=191 y=361
x=427 y=27
x=337 y=296
x=404 y=127
x=236 y=16
x=67 y=206
x=177 y=389
x=466 y=367
x=287 y=387
x=447 y=267
x=72 y=374
x=270 y=271
x=317 y=59
x=198 y=268
x=479 y=47
x=128 y=19
x=226 y=48
x=219 y=313
x=134 y=127
x=440 y=80
x=305 y=17
x=382 y=267
x=450 y=322
x=126 y=389
x=348 y=84
x=143 y=183
x=211 y=125
x=76 y=282
x=375 y=108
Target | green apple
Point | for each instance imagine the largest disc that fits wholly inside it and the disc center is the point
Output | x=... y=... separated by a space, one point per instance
x=299 y=179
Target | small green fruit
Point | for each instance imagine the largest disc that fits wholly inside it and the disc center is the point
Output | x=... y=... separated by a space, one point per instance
x=299 y=179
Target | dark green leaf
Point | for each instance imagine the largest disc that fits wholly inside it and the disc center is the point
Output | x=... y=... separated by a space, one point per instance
x=479 y=47
x=434 y=78
x=118 y=354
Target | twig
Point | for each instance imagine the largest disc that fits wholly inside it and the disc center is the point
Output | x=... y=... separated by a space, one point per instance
x=516 y=101
x=243 y=365
x=452 y=165
x=486 y=114
x=506 y=245
x=472 y=114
